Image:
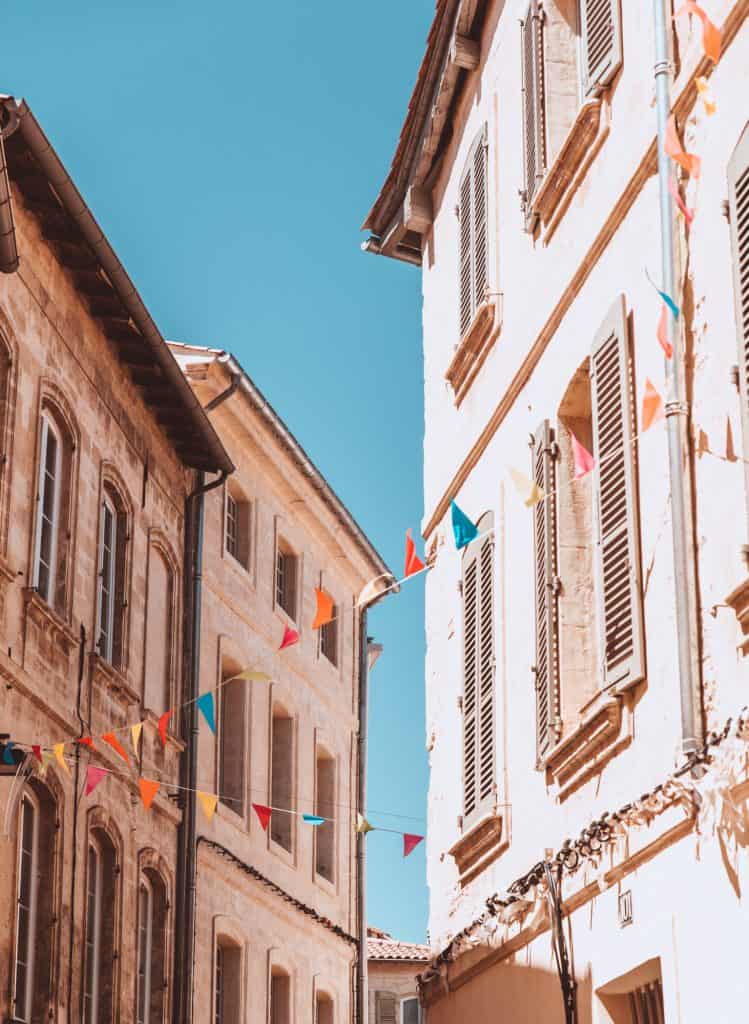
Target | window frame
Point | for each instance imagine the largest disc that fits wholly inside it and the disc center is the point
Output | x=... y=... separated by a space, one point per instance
x=145 y=956
x=48 y=427
x=279 y=712
x=92 y=940
x=322 y=754
x=472 y=294
x=108 y=507
x=410 y=999
x=289 y=604
x=29 y=799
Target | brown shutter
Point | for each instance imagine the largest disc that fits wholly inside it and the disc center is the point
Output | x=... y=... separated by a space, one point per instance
x=738 y=198
x=534 y=133
x=601 y=43
x=546 y=668
x=480 y=253
x=385 y=1008
x=618 y=592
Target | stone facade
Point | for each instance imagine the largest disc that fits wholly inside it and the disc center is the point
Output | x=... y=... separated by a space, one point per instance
x=657 y=922
x=392 y=969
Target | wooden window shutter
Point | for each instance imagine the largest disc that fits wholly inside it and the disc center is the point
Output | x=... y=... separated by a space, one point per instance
x=385 y=1008
x=618 y=592
x=601 y=44
x=472 y=213
x=546 y=668
x=738 y=199
x=478 y=674
x=534 y=128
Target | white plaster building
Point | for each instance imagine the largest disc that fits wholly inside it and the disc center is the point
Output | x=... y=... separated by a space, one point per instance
x=552 y=674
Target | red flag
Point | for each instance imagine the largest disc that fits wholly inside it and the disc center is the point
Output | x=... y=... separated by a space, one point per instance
x=325 y=608
x=652 y=406
x=711 y=35
x=148 y=790
x=582 y=459
x=290 y=637
x=410 y=842
x=115 y=744
x=163 y=723
x=86 y=741
x=37 y=752
x=94 y=776
x=673 y=148
x=413 y=562
x=263 y=814
x=662 y=333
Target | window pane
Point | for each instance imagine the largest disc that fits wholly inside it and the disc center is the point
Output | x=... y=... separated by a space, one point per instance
x=411 y=1011
x=232 y=538
x=25 y=913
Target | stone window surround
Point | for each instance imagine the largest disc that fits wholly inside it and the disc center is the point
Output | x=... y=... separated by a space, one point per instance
x=279 y=707
x=246 y=569
x=281 y=541
x=9 y=349
x=228 y=931
x=151 y=862
x=324 y=751
x=158 y=540
x=229 y=661
x=112 y=481
x=100 y=820
x=334 y=667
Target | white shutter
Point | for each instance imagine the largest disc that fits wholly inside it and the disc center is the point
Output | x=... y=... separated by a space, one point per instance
x=534 y=129
x=472 y=214
x=385 y=1008
x=470 y=679
x=601 y=44
x=738 y=199
x=619 y=592
x=546 y=667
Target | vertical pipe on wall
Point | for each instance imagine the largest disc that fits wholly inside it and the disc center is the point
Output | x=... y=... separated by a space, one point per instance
x=362 y=996
x=677 y=410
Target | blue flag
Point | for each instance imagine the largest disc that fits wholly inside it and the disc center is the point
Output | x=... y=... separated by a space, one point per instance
x=205 y=703
x=670 y=303
x=313 y=819
x=465 y=531
x=8 y=753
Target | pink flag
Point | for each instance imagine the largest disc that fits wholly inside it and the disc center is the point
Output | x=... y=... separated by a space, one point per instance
x=673 y=189
x=582 y=459
x=410 y=842
x=662 y=333
x=163 y=725
x=94 y=776
x=263 y=814
x=290 y=637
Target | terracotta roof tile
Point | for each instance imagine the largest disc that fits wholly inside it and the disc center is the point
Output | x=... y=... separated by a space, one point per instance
x=391 y=949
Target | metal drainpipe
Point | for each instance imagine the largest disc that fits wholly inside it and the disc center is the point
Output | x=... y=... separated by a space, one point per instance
x=677 y=410
x=362 y=994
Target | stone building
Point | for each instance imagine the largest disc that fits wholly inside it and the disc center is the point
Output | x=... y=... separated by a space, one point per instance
x=277 y=909
x=392 y=970
x=102 y=443
x=525 y=186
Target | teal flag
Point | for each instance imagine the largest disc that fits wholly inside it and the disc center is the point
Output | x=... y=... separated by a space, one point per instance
x=205 y=703
x=313 y=819
x=464 y=530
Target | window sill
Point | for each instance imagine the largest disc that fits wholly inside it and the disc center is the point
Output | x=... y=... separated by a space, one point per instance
x=105 y=674
x=473 y=349
x=738 y=600
x=596 y=739
x=481 y=845
x=325 y=884
x=287 y=856
x=49 y=622
x=565 y=175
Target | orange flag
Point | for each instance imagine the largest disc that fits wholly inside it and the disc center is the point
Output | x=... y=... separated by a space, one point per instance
x=581 y=458
x=163 y=725
x=324 y=609
x=662 y=333
x=703 y=88
x=115 y=744
x=711 y=36
x=731 y=455
x=703 y=444
x=413 y=562
x=148 y=790
x=652 y=406
x=86 y=741
x=673 y=148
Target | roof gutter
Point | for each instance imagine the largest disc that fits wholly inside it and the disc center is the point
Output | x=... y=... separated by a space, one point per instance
x=76 y=208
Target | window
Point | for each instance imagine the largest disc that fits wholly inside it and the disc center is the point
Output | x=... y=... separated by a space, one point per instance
x=286 y=580
x=231 y=740
x=282 y=778
x=238 y=528
x=325 y=808
x=472 y=214
x=386 y=1008
x=600 y=43
x=34 y=916
x=159 y=632
x=228 y=982
x=48 y=511
x=324 y=1009
x=110 y=603
x=410 y=1011
x=100 y=919
x=152 y=904
x=280 y=997
x=478 y=671
x=534 y=134
x=636 y=997
x=329 y=638
x=145 y=945
x=738 y=199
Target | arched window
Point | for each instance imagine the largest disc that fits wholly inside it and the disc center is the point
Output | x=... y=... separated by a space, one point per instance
x=325 y=808
x=110 y=590
x=160 y=625
x=34 y=903
x=228 y=982
x=280 y=997
x=282 y=778
x=152 y=907
x=101 y=897
x=52 y=535
x=231 y=737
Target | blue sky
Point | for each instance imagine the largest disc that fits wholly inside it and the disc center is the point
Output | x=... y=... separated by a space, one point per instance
x=230 y=151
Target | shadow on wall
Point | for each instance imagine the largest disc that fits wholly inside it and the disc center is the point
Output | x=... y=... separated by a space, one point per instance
x=512 y=994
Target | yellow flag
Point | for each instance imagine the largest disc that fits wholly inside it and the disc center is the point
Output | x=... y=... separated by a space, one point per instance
x=362 y=825
x=253 y=676
x=208 y=802
x=529 y=491
x=135 y=731
x=47 y=760
x=703 y=88
x=58 y=749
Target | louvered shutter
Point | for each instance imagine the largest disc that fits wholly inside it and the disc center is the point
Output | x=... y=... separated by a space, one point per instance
x=546 y=668
x=534 y=131
x=385 y=1008
x=618 y=592
x=601 y=45
x=738 y=198
x=478 y=674
x=466 y=296
x=473 y=232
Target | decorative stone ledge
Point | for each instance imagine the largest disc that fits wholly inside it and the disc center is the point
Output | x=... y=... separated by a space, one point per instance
x=112 y=679
x=581 y=751
x=53 y=628
x=481 y=845
x=738 y=599
x=472 y=350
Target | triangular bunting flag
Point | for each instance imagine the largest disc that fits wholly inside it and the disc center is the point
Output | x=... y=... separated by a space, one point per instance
x=313 y=819
x=205 y=703
x=731 y=455
x=582 y=460
x=703 y=444
x=148 y=790
x=662 y=333
x=410 y=842
x=94 y=775
x=86 y=741
x=135 y=731
x=413 y=563
x=163 y=726
x=673 y=148
x=58 y=750
x=208 y=802
x=674 y=190
x=115 y=744
x=263 y=815
x=374 y=589
x=47 y=759
x=703 y=88
x=290 y=637
x=325 y=608
x=252 y=676
x=36 y=750
x=362 y=825
x=652 y=406
x=711 y=35
x=464 y=530
x=529 y=491
x=373 y=653
x=8 y=753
